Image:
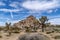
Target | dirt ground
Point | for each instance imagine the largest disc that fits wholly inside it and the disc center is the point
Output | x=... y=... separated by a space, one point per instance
x=15 y=36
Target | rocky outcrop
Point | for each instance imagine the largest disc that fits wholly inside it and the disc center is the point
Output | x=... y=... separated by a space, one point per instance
x=29 y=21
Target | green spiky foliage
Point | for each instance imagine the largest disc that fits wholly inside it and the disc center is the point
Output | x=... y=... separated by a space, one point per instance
x=43 y=19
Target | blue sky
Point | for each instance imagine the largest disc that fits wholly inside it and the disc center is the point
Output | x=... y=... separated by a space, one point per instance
x=16 y=10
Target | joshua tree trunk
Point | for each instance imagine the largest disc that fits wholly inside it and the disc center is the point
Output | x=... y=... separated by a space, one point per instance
x=42 y=27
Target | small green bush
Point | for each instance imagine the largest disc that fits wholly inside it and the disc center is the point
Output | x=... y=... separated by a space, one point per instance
x=57 y=37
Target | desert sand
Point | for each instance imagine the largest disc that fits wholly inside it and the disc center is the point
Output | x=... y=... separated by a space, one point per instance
x=15 y=36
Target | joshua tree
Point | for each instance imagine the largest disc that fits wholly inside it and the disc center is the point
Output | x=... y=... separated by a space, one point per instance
x=43 y=20
x=8 y=28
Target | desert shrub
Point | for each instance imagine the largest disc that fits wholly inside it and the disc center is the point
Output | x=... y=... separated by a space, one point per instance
x=27 y=29
x=16 y=31
x=0 y=36
x=52 y=32
x=57 y=37
x=57 y=30
x=48 y=32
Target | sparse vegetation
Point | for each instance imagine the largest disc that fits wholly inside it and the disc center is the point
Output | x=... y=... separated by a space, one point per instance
x=16 y=29
x=43 y=19
x=0 y=36
x=31 y=26
x=0 y=32
x=8 y=25
x=57 y=30
x=49 y=32
x=57 y=37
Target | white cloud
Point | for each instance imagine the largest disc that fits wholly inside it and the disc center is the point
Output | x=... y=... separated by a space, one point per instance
x=9 y=21
x=15 y=4
x=49 y=11
x=12 y=21
x=56 y=10
x=2 y=4
x=55 y=21
x=2 y=24
x=10 y=10
x=3 y=20
x=37 y=5
x=15 y=21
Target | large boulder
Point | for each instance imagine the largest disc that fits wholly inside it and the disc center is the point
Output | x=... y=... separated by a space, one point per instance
x=33 y=36
x=29 y=21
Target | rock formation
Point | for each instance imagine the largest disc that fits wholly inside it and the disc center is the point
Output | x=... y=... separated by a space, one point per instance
x=29 y=21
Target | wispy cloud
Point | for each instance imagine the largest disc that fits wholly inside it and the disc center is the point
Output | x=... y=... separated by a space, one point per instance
x=43 y=5
x=2 y=24
x=37 y=5
x=49 y=11
x=29 y=7
x=3 y=21
x=15 y=21
x=55 y=21
x=9 y=21
x=10 y=10
x=2 y=4
x=14 y=4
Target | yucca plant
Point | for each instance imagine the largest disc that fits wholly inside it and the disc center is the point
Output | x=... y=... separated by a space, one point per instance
x=43 y=20
x=8 y=28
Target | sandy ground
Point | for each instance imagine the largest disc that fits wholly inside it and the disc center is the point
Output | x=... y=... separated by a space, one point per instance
x=12 y=37
x=15 y=36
